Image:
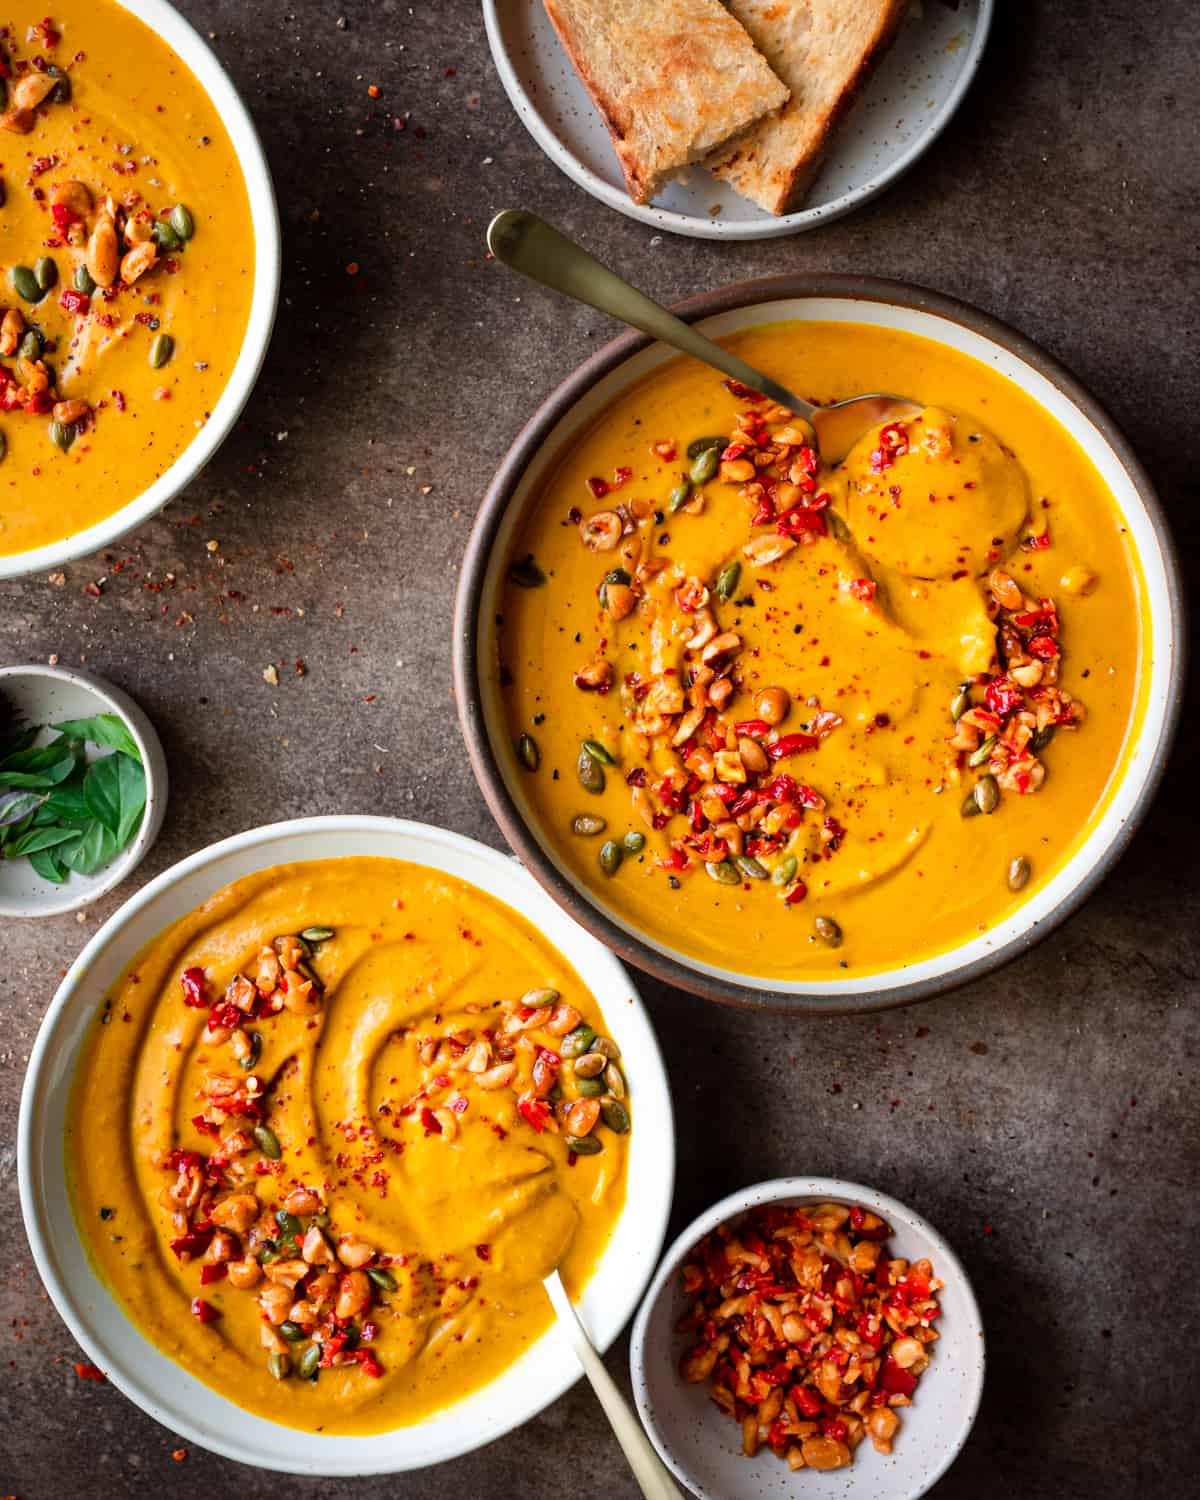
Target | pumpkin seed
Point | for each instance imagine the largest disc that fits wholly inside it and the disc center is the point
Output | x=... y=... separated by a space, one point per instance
x=164 y=236
x=615 y=1080
x=527 y=749
x=309 y=1361
x=590 y=773
x=606 y=1047
x=577 y=1042
x=785 y=871
x=161 y=350
x=616 y=575
x=321 y=1220
x=590 y=1064
x=82 y=280
x=256 y=1045
x=62 y=435
x=288 y=1223
x=382 y=1278
x=704 y=465
x=970 y=808
x=838 y=528
x=306 y=969
x=978 y=757
x=268 y=1144
x=291 y=1331
x=750 y=867
x=679 y=496
x=3 y=446
x=611 y=855
x=987 y=794
x=279 y=1365
x=1019 y=871
x=828 y=931
x=541 y=996
x=615 y=1116
x=25 y=284
x=526 y=574
x=583 y=1145
x=959 y=704
x=697 y=446
x=589 y=1088
x=45 y=272
x=1041 y=738
x=61 y=92
x=317 y=934
x=182 y=222
x=30 y=346
x=586 y=826
x=599 y=752
x=633 y=842
x=727 y=579
x=724 y=873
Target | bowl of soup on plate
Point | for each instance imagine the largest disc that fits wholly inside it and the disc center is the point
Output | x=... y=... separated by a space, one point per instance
x=810 y=733
x=139 y=276
x=299 y=1156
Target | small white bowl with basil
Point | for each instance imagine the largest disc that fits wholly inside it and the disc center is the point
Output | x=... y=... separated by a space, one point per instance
x=83 y=788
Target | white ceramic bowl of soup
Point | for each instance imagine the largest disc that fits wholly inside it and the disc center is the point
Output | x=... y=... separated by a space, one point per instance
x=182 y=38
x=164 y=1389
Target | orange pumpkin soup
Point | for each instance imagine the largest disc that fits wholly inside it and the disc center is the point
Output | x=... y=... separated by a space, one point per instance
x=127 y=270
x=331 y=1131
x=800 y=721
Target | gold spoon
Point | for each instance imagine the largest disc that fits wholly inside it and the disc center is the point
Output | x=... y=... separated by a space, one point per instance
x=528 y=244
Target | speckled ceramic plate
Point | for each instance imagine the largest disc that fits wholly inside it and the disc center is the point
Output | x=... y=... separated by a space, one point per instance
x=704 y=1448
x=904 y=108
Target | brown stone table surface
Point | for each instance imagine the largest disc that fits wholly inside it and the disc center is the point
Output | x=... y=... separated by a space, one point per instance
x=1044 y=1118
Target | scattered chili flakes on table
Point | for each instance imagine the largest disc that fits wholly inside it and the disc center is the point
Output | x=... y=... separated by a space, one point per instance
x=807 y=1332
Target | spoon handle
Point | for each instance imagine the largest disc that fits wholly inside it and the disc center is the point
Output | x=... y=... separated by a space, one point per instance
x=528 y=244
x=648 y=1469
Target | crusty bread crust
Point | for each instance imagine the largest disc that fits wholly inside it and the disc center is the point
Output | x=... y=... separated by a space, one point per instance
x=672 y=79
x=824 y=50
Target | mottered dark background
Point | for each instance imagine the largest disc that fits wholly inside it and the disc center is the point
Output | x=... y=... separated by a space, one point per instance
x=1044 y=1118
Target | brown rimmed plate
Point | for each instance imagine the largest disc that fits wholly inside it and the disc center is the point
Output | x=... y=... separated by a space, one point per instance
x=889 y=304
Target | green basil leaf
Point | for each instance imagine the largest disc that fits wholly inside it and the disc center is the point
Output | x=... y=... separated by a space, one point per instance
x=48 y=866
x=43 y=767
x=95 y=848
x=103 y=729
x=131 y=781
x=66 y=803
x=38 y=839
x=102 y=791
x=16 y=805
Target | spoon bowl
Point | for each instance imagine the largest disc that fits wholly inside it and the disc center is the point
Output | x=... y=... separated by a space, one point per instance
x=529 y=245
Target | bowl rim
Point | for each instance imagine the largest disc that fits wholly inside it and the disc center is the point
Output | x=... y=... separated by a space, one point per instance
x=154 y=763
x=33 y=1149
x=468 y=667
x=765 y=226
x=181 y=37
x=947 y=1264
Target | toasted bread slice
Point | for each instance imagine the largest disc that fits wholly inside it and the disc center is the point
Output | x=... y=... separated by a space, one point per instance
x=824 y=51
x=672 y=78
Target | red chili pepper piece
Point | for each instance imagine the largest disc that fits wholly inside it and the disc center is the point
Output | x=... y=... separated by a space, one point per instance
x=211 y=1273
x=1002 y=696
x=90 y=1372
x=809 y=1401
x=796 y=894
x=205 y=1126
x=368 y=1363
x=74 y=302
x=895 y=1380
x=535 y=1111
x=204 y=1312
x=835 y=1428
x=791 y=744
x=622 y=476
x=864 y=589
x=192 y=983
x=194 y=1243
x=1043 y=647
x=755 y=728
x=433 y=1126
x=742 y=392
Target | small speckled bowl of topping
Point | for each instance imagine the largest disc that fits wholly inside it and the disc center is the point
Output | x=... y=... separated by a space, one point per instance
x=809 y=1326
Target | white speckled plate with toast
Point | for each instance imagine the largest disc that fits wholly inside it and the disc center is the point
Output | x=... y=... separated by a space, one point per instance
x=902 y=110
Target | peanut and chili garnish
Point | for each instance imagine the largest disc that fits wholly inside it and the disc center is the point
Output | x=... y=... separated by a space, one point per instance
x=91 y=281
x=807 y=1332
x=237 y=1213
